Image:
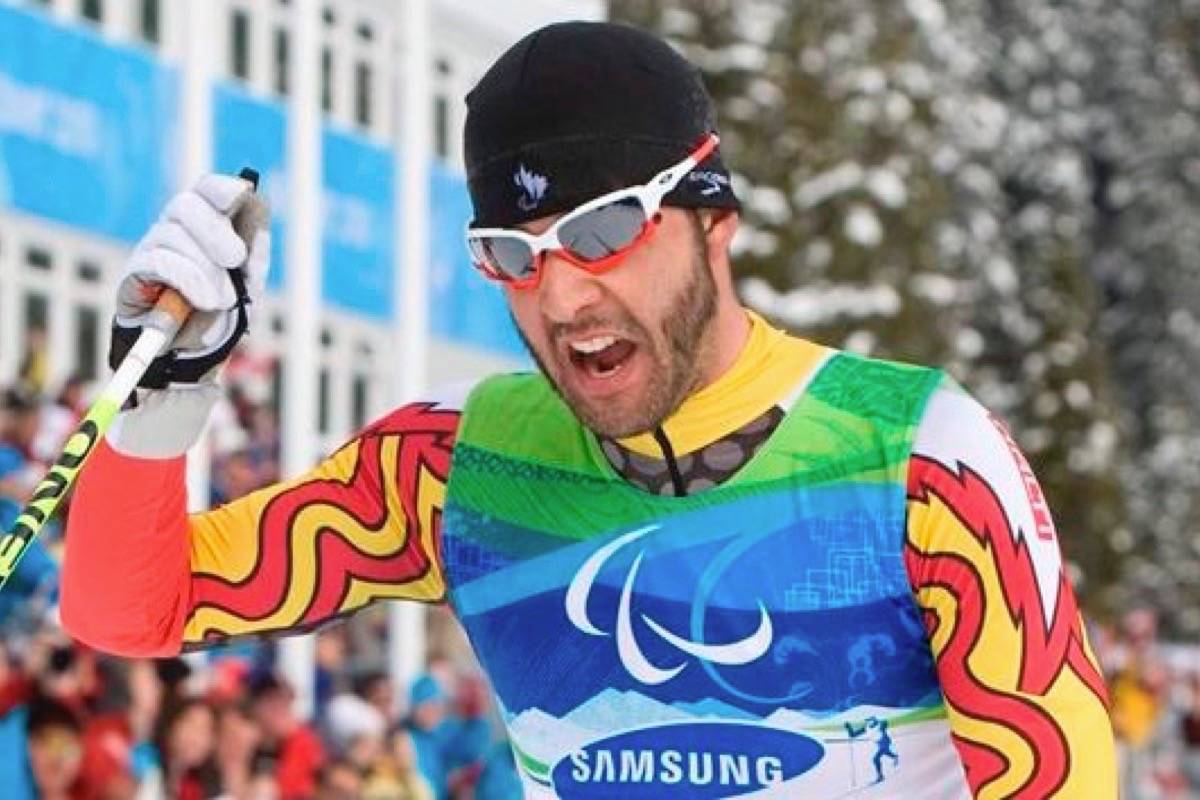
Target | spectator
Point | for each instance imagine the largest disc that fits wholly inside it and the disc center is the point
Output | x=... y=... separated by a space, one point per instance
x=47 y=735
x=1139 y=690
x=238 y=737
x=1190 y=735
x=375 y=687
x=186 y=741
x=348 y=718
x=401 y=769
x=33 y=588
x=293 y=746
x=118 y=749
x=340 y=780
x=427 y=715
x=499 y=779
x=467 y=734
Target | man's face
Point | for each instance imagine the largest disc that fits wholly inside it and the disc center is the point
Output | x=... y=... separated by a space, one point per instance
x=624 y=348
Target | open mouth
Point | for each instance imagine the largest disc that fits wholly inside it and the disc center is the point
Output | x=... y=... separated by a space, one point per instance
x=601 y=356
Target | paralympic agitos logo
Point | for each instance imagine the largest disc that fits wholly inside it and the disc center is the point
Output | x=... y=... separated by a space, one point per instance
x=736 y=653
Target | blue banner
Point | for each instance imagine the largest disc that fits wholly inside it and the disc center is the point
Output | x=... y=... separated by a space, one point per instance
x=357 y=206
x=87 y=129
x=465 y=307
x=359 y=220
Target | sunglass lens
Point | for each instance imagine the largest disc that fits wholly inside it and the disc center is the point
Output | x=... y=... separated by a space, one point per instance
x=604 y=231
x=509 y=257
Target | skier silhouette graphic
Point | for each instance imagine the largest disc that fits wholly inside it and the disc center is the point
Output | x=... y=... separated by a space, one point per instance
x=877 y=730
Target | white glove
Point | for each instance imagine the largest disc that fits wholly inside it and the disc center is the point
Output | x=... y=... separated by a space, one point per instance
x=192 y=248
x=218 y=226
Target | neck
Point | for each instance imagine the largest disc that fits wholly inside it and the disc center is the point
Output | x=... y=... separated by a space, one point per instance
x=754 y=368
x=726 y=340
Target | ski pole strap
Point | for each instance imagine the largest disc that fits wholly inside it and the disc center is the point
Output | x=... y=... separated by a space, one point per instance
x=174 y=366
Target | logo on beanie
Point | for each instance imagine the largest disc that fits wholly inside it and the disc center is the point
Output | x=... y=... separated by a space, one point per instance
x=713 y=182
x=533 y=188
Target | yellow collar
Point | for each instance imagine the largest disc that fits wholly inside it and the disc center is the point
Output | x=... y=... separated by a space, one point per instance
x=770 y=367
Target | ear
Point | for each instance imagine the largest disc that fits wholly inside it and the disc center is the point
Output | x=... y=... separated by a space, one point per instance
x=720 y=226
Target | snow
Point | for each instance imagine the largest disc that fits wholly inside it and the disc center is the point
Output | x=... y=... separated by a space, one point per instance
x=863 y=226
x=887 y=187
x=821 y=303
x=838 y=180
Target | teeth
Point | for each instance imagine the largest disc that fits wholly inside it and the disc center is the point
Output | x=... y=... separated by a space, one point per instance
x=594 y=345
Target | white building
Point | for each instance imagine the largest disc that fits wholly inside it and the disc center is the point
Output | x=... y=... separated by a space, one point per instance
x=59 y=277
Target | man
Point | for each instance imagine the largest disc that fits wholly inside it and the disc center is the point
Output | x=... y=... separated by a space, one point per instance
x=689 y=549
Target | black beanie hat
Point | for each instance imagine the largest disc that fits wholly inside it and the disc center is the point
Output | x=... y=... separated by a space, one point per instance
x=578 y=109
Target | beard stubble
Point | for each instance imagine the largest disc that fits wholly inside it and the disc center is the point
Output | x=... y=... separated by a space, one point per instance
x=677 y=372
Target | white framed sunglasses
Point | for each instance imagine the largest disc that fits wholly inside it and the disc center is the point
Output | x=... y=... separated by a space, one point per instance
x=593 y=236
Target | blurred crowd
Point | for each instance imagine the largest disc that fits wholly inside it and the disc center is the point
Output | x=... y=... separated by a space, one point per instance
x=219 y=724
x=78 y=725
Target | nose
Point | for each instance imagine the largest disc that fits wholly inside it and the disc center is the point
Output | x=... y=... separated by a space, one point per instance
x=566 y=290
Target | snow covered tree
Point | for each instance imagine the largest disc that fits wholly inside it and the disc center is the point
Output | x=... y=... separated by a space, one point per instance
x=1005 y=189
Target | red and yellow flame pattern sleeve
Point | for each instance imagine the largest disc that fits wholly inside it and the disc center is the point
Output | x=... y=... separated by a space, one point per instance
x=142 y=578
x=1026 y=700
x=362 y=526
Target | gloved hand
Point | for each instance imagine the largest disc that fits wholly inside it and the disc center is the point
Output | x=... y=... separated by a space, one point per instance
x=212 y=245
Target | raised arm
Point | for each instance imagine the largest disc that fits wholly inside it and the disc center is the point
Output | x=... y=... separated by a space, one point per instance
x=1027 y=703
x=143 y=578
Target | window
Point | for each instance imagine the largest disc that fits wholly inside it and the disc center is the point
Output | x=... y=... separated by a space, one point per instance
x=39 y=259
x=88 y=272
x=329 y=17
x=92 y=9
x=362 y=94
x=34 y=356
x=365 y=32
x=277 y=379
x=441 y=126
x=150 y=21
x=358 y=402
x=87 y=336
x=239 y=45
x=323 y=402
x=37 y=312
x=326 y=79
x=281 y=61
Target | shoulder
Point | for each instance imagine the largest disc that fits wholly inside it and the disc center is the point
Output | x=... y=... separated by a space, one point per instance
x=884 y=391
x=965 y=460
x=960 y=435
